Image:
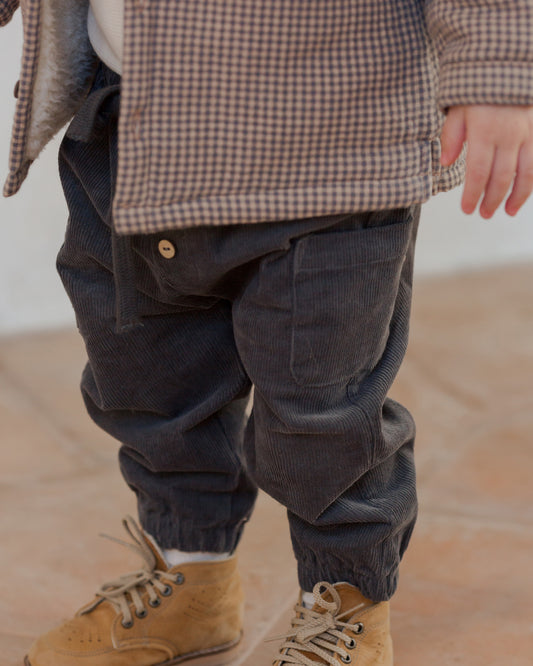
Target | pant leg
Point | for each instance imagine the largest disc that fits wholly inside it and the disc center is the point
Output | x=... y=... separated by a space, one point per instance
x=172 y=391
x=321 y=331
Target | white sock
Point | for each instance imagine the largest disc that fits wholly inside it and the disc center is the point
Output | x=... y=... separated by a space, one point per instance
x=174 y=557
x=308 y=599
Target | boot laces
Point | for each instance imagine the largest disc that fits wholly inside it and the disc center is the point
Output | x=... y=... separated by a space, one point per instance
x=132 y=588
x=318 y=633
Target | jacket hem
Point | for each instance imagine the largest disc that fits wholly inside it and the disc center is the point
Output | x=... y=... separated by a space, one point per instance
x=279 y=205
x=15 y=179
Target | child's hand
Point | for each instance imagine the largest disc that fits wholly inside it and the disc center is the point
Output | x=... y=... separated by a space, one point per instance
x=500 y=151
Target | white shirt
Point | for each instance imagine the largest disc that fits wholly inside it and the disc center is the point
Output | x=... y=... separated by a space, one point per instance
x=105 y=24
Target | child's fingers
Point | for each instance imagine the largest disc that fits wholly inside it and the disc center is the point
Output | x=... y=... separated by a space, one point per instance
x=500 y=151
x=479 y=159
x=501 y=177
x=523 y=184
x=453 y=136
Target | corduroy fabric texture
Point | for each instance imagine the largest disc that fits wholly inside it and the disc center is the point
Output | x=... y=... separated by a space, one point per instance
x=248 y=111
x=313 y=312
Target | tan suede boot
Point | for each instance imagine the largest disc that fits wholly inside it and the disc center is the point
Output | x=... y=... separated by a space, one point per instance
x=343 y=627
x=155 y=616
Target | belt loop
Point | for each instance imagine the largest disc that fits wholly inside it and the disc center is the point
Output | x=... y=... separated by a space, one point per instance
x=127 y=316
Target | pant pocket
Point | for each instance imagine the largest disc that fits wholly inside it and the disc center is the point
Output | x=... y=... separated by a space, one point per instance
x=177 y=280
x=344 y=289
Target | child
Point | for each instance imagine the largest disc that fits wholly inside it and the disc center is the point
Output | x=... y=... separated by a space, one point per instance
x=244 y=183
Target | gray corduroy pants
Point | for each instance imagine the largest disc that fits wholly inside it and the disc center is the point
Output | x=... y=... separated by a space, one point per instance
x=312 y=313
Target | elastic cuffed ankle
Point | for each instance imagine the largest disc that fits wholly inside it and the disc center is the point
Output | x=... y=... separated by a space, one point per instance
x=374 y=587
x=170 y=533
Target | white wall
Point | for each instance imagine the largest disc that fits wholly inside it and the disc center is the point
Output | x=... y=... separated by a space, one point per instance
x=33 y=223
x=449 y=240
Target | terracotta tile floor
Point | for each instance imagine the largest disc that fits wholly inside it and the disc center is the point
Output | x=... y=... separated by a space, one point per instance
x=466 y=591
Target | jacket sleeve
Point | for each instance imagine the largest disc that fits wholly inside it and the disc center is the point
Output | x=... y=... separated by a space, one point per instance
x=485 y=50
x=7 y=9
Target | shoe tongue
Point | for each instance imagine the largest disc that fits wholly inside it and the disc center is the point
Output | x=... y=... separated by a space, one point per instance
x=161 y=563
x=350 y=598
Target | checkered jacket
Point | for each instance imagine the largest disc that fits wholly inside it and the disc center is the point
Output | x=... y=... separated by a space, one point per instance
x=241 y=111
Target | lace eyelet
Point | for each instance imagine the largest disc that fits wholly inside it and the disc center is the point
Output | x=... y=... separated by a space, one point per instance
x=346 y=660
x=350 y=644
x=166 y=591
x=141 y=614
x=180 y=578
x=155 y=603
x=127 y=625
x=359 y=629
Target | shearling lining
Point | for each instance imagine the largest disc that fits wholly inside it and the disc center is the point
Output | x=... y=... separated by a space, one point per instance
x=66 y=61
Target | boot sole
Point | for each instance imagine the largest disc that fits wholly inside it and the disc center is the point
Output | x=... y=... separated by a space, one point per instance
x=217 y=656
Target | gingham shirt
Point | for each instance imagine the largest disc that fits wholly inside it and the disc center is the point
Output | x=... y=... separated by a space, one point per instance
x=241 y=111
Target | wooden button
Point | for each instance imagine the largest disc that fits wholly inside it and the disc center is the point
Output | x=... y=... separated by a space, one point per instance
x=166 y=249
